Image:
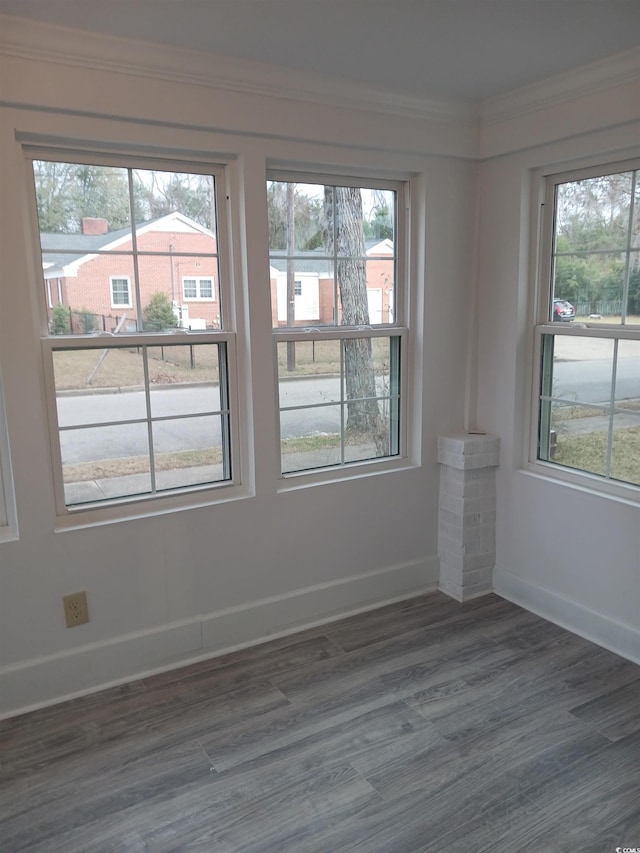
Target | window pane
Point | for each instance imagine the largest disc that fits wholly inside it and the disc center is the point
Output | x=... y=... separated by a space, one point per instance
x=112 y=461
x=129 y=250
x=98 y=386
x=381 y=291
x=88 y=204
x=628 y=375
x=366 y=368
x=372 y=442
x=348 y=413
x=317 y=360
x=189 y=288
x=164 y=287
x=596 y=265
x=188 y=451
x=592 y=283
x=296 y=211
x=85 y=297
x=625 y=447
x=332 y=254
x=575 y=403
x=589 y=417
x=190 y=384
x=625 y=451
x=206 y=288
x=88 y=247
x=633 y=298
x=580 y=438
x=183 y=364
x=577 y=375
x=310 y=438
x=582 y=369
x=371 y=388
x=593 y=213
x=159 y=194
x=121 y=291
x=99 y=463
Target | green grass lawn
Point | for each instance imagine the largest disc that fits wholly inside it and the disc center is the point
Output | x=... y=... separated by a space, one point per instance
x=123 y=368
x=588 y=452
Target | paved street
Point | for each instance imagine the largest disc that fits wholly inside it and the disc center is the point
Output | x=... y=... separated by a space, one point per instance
x=577 y=381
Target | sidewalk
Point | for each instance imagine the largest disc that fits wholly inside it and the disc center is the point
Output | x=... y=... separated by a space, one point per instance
x=109 y=488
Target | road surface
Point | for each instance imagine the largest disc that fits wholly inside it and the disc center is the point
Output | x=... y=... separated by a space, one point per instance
x=579 y=381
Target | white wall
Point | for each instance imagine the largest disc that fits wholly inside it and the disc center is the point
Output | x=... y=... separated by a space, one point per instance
x=168 y=588
x=570 y=554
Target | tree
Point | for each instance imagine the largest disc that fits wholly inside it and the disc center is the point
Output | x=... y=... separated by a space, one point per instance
x=344 y=225
x=68 y=192
x=159 y=193
x=60 y=320
x=158 y=314
x=379 y=223
x=307 y=218
x=591 y=234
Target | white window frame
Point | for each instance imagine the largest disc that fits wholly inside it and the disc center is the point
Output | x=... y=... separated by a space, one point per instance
x=198 y=282
x=398 y=328
x=186 y=496
x=114 y=278
x=544 y=326
x=8 y=519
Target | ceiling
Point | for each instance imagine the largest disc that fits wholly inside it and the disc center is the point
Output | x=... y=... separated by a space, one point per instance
x=466 y=50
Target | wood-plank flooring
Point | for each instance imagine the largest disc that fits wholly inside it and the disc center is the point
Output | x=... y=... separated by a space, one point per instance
x=422 y=726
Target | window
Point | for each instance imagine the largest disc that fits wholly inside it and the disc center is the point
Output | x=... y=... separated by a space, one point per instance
x=120 y=292
x=197 y=288
x=144 y=410
x=588 y=332
x=339 y=368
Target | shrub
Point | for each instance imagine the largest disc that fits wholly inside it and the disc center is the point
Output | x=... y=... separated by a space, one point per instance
x=60 y=320
x=158 y=314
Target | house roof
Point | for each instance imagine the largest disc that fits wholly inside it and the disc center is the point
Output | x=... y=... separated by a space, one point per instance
x=56 y=253
x=310 y=262
x=62 y=250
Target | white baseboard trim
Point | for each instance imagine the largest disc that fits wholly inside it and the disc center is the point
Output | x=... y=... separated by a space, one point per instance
x=39 y=682
x=615 y=636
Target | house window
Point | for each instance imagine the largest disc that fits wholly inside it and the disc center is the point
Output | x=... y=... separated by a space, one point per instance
x=120 y=292
x=588 y=332
x=340 y=374
x=168 y=424
x=197 y=288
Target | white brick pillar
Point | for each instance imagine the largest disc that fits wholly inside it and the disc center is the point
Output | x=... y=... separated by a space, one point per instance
x=467 y=514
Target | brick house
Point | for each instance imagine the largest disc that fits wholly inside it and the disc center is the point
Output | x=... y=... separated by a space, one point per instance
x=314 y=286
x=93 y=271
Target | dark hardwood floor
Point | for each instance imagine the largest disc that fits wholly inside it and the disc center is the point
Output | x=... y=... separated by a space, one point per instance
x=423 y=726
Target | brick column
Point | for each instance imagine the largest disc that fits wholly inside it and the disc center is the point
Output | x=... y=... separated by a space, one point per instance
x=467 y=514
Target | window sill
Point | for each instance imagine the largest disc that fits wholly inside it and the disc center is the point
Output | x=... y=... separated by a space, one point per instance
x=340 y=474
x=587 y=483
x=95 y=515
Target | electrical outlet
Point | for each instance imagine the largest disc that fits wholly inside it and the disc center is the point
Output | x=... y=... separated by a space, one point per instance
x=76 y=611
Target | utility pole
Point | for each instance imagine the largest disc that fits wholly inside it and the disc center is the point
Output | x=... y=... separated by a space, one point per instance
x=291 y=274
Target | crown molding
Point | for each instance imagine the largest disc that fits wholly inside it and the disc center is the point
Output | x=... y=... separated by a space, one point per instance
x=26 y=39
x=587 y=80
